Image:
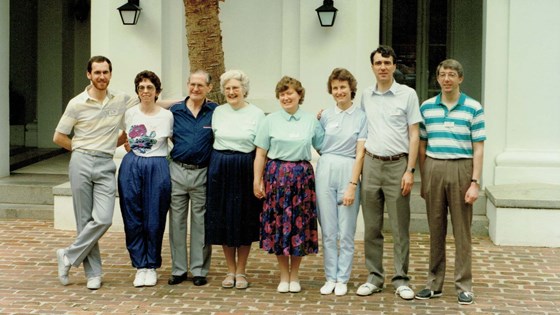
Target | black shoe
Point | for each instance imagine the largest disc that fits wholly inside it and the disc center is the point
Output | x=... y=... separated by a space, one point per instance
x=426 y=294
x=198 y=281
x=465 y=298
x=177 y=279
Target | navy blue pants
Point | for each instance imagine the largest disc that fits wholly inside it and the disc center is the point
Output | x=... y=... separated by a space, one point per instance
x=145 y=195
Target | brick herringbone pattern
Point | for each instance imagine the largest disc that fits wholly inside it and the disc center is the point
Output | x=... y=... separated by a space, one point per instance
x=507 y=280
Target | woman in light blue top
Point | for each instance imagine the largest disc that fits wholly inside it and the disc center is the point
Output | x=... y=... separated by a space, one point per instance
x=338 y=178
x=232 y=210
x=285 y=178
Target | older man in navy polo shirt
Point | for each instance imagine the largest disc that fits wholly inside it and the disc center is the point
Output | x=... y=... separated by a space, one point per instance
x=192 y=140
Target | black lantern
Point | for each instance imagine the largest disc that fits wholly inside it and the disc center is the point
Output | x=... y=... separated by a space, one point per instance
x=130 y=12
x=327 y=13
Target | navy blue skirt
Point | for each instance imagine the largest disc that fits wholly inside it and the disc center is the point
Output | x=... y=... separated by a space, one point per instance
x=232 y=210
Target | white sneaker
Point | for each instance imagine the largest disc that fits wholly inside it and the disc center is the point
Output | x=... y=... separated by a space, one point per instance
x=94 y=283
x=405 y=292
x=140 y=278
x=340 y=289
x=328 y=287
x=367 y=289
x=151 y=278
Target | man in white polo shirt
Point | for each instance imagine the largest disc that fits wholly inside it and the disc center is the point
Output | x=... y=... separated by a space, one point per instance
x=94 y=116
x=393 y=115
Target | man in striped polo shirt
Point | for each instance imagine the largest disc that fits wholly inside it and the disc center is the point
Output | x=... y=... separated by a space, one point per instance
x=450 y=155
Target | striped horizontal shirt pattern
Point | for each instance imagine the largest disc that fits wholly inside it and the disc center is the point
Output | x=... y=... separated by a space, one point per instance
x=450 y=133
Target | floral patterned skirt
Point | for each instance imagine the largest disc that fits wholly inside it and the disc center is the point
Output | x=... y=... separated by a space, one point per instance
x=289 y=216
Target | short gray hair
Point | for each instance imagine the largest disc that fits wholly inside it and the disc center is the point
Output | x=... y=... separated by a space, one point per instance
x=201 y=72
x=237 y=75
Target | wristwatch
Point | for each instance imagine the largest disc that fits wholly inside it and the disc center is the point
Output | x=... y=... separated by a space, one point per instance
x=411 y=170
x=474 y=180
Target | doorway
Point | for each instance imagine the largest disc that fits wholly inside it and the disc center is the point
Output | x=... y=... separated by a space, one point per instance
x=425 y=32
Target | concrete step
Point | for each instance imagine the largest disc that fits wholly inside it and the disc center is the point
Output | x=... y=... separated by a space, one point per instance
x=31 y=189
x=26 y=211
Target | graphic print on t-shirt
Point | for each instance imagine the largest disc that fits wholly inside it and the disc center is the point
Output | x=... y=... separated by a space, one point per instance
x=139 y=140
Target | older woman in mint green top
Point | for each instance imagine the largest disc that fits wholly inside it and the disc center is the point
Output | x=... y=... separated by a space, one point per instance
x=232 y=210
x=285 y=178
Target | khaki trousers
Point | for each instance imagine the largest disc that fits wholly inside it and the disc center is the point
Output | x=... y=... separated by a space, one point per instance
x=445 y=183
x=381 y=186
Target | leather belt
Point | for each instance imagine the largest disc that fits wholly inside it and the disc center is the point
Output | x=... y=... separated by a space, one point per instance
x=189 y=166
x=387 y=158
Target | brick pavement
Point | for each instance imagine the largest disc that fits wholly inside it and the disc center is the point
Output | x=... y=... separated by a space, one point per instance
x=507 y=280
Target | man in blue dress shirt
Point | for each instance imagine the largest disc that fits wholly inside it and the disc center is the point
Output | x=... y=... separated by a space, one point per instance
x=192 y=140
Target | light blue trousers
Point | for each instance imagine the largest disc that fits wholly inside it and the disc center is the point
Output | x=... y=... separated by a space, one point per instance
x=338 y=222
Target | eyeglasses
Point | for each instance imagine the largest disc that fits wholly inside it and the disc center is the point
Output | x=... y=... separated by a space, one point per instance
x=148 y=88
x=451 y=75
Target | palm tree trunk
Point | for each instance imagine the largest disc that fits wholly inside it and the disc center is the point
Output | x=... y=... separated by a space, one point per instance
x=204 y=41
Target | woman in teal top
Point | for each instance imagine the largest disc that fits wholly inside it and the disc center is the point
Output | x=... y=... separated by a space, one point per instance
x=285 y=178
x=232 y=211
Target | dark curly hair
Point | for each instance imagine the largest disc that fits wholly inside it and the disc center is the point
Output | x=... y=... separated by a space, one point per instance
x=149 y=75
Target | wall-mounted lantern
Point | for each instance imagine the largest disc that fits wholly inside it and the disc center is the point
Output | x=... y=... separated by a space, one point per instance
x=130 y=12
x=327 y=13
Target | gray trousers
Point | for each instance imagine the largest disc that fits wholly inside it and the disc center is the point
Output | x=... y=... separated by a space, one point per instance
x=381 y=186
x=188 y=185
x=93 y=183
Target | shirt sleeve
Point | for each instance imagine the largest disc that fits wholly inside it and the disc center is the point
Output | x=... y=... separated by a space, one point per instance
x=262 y=138
x=478 y=127
x=413 y=105
x=68 y=120
x=318 y=135
x=362 y=136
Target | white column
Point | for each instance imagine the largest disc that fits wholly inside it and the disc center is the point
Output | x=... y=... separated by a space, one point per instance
x=520 y=91
x=4 y=91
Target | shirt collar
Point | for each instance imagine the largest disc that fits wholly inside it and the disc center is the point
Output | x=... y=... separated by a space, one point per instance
x=288 y=116
x=393 y=89
x=108 y=96
x=349 y=111
x=204 y=107
x=460 y=101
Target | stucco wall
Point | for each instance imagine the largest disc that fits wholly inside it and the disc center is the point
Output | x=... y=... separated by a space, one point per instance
x=521 y=80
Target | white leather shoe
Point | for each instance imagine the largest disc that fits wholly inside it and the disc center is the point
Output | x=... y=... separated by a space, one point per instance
x=63 y=266
x=94 y=283
x=295 y=287
x=283 y=287
x=405 y=292
x=328 y=287
x=340 y=289
x=367 y=289
x=151 y=278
